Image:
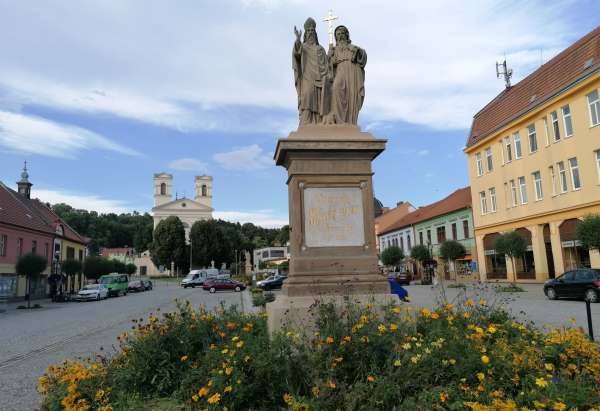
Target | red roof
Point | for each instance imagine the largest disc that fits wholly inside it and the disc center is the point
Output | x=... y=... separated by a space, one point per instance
x=458 y=200
x=573 y=64
x=52 y=219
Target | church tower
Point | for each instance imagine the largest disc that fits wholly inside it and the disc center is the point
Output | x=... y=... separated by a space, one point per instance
x=163 y=184
x=23 y=185
x=203 y=186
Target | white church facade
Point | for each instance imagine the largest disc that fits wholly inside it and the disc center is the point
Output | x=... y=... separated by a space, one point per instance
x=188 y=210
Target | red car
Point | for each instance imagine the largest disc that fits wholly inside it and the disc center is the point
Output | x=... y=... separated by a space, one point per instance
x=219 y=284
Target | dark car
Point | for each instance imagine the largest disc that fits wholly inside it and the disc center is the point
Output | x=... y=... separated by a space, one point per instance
x=147 y=284
x=402 y=278
x=271 y=283
x=136 y=286
x=221 y=284
x=580 y=283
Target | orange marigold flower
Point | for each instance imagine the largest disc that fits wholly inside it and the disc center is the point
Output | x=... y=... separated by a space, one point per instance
x=443 y=397
x=215 y=398
x=288 y=399
x=331 y=385
x=329 y=340
x=370 y=378
x=435 y=316
x=231 y=325
x=184 y=358
x=347 y=338
x=203 y=392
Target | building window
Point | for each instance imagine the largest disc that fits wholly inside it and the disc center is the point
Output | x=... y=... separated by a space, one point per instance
x=513 y=193
x=523 y=190
x=488 y=157
x=408 y=242
x=441 y=234
x=597 y=152
x=575 y=179
x=163 y=189
x=562 y=175
x=555 y=126
x=567 y=121
x=518 y=151
x=401 y=243
x=552 y=180
x=483 y=202
x=19 y=247
x=466 y=228
x=479 y=164
x=594 y=104
x=204 y=191
x=492 y=199
x=70 y=253
x=3 y=245
x=428 y=236
x=34 y=246
x=454 y=231
x=546 y=131
x=421 y=237
x=508 y=150
x=537 y=185
x=532 y=138
x=502 y=151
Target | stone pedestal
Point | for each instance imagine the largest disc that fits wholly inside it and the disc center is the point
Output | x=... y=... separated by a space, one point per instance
x=332 y=236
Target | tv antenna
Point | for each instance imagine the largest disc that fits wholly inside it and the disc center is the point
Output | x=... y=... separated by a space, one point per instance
x=503 y=70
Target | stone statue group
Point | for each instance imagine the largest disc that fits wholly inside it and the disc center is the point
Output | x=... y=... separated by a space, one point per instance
x=330 y=86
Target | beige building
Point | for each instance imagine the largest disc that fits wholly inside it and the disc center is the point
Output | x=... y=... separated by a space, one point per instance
x=534 y=165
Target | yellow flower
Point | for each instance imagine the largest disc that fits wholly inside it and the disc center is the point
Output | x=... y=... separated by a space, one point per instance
x=370 y=378
x=541 y=382
x=339 y=359
x=228 y=370
x=240 y=344
x=482 y=302
x=331 y=385
x=215 y=398
x=224 y=351
x=425 y=312
x=396 y=310
x=435 y=316
x=559 y=406
x=329 y=340
x=229 y=388
x=406 y=346
x=485 y=359
x=492 y=329
x=184 y=358
x=347 y=338
x=203 y=392
x=364 y=339
x=449 y=306
x=466 y=315
x=549 y=367
x=393 y=327
x=443 y=397
x=397 y=363
x=315 y=391
x=195 y=398
x=234 y=339
x=381 y=328
x=288 y=399
x=99 y=394
x=452 y=361
x=469 y=302
x=480 y=376
x=364 y=319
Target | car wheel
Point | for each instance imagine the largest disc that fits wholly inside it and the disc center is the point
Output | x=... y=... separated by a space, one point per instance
x=212 y=290
x=551 y=293
x=238 y=289
x=591 y=296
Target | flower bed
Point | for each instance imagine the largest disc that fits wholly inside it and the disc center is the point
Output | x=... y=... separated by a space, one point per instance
x=470 y=356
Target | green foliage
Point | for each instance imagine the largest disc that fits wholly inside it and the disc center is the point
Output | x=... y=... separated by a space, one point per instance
x=450 y=250
x=420 y=253
x=260 y=299
x=94 y=267
x=130 y=268
x=588 y=232
x=71 y=267
x=466 y=356
x=31 y=265
x=118 y=266
x=169 y=244
x=392 y=256
x=210 y=242
x=512 y=244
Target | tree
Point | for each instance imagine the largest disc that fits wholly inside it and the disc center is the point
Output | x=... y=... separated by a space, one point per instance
x=30 y=266
x=451 y=250
x=211 y=242
x=513 y=245
x=168 y=244
x=130 y=268
x=95 y=267
x=71 y=267
x=588 y=232
x=118 y=266
x=420 y=253
x=392 y=256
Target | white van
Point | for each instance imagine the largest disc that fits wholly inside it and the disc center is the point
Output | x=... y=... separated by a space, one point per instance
x=196 y=278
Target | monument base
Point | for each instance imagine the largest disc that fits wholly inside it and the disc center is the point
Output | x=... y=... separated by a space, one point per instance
x=299 y=313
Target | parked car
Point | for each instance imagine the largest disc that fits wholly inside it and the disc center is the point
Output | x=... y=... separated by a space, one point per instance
x=147 y=284
x=196 y=278
x=272 y=282
x=402 y=278
x=116 y=283
x=92 y=292
x=136 y=286
x=580 y=283
x=221 y=284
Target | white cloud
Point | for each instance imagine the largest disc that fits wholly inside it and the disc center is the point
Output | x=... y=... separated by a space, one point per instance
x=246 y=158
x=35 y=135
x=262 y=218
x=435 y=69
x=423 y=152
x=189 y=164
x=90 y=202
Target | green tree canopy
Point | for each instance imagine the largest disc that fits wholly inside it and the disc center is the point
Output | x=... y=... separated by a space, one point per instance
x=71 y=267
x=118 y=266
x=212 y=241
x=169 y=244
x=392 y=256
x=420 y=253
x=511 y=244
x=131 y=269
x=30 y=266
x=450 y=250
x=94 y=267
x=588 y=232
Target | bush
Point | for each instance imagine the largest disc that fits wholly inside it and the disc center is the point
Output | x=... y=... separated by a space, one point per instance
x=260 y=299
x=464 y=357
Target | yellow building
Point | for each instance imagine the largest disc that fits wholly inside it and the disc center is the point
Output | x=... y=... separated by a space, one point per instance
x=534 y=165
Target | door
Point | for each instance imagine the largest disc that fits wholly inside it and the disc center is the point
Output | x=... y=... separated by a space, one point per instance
x=564 y=284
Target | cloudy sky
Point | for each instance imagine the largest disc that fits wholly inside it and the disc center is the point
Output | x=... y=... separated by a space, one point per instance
x=99 y=95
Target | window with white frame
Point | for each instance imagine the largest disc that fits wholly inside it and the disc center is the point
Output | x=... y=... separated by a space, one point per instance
x=562 y=176
x=479 y=164
x=546 y=132
x=523 y=190
x=532 y=138
x=502 y=151
x=567 y=121
x=513 y=193
x=488 y=157
x=518 y=150
x=594 y=105
x=575 y=179
x=508 y=150
x=506 y=195
x=483 y=202
x=492 y=192
x=552 y=179
x=555 y=126
x=537 y=185
x=597 y=155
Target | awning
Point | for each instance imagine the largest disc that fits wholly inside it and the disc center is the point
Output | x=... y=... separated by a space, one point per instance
x=465 y=258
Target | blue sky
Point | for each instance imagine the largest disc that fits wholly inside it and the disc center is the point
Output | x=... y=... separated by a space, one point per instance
x=99 y=95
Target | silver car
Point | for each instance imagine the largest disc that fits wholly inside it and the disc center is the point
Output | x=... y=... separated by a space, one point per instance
x=92 y=292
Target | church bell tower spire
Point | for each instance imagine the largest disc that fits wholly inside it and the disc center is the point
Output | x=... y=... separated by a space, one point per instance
x=23 y=185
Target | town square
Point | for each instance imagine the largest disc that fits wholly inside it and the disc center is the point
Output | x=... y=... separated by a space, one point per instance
x=293 y=205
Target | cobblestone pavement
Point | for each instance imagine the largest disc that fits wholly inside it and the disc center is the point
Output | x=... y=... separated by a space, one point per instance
x=31 y=340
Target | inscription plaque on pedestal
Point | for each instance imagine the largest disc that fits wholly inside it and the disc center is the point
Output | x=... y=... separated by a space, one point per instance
x=333 y=217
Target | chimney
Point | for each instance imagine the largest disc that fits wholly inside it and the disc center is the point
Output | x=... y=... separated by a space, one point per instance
x=399 y=203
